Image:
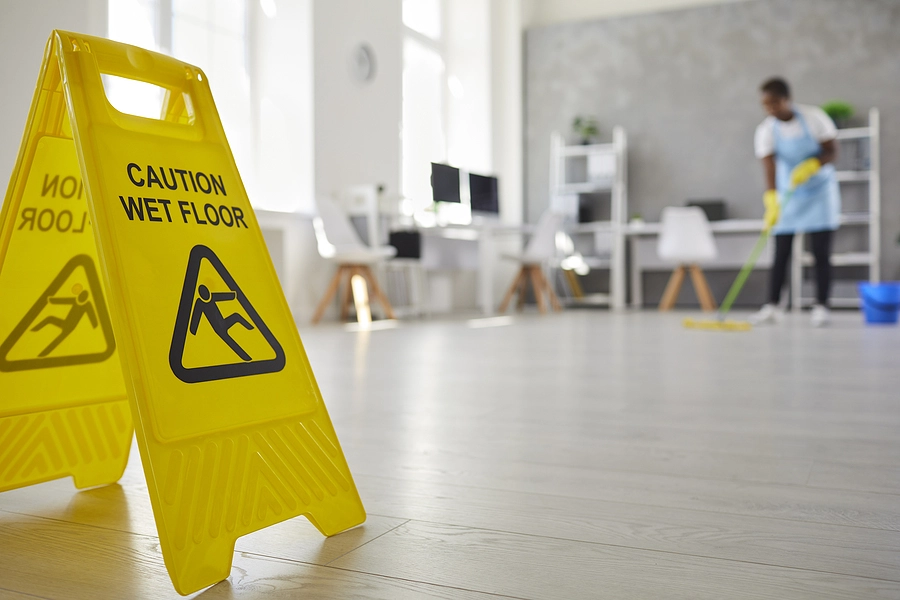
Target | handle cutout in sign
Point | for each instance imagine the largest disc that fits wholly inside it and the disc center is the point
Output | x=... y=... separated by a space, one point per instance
x=133 y=97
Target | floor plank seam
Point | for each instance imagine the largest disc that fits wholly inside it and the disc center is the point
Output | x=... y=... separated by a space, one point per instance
x=829 y=489
x=296 y=561
x=812 y=464
x=367 y=542
x=24 y=593
x=709 y=479
x=379 y=575
x=153 y=537
x=92 y=525
x=697 y=510
x=438 y=585
x=655 y=550
x=289 y=560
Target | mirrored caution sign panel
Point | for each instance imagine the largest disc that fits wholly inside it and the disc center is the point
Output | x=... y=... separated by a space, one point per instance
x=231 y=426
x=63 y=407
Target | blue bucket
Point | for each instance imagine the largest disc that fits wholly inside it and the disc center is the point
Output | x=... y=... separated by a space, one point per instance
x=880 y=301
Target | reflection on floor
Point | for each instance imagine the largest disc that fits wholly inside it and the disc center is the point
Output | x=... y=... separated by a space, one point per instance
x=581 y=455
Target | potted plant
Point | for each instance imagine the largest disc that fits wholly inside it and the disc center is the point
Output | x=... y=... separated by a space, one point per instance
x=585 y=128
x=839 y=111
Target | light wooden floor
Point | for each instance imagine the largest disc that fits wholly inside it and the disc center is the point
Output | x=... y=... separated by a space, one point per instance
x=582 y=455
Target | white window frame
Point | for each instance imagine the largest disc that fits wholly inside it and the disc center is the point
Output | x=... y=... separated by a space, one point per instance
x=438 y=46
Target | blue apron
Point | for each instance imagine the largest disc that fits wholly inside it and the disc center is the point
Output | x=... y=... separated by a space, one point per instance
x=815 y=205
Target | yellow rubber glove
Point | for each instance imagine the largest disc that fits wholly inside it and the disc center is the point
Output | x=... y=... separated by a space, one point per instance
x=773 y=208
x=804 y=171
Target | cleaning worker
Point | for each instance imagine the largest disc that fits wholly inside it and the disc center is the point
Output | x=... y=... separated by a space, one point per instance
x=796 y=144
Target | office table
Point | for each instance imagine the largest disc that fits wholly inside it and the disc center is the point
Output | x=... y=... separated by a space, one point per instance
x=486 y=237
x=730 y=256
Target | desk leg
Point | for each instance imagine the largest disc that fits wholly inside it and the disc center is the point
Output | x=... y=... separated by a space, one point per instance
x=617 y=272
x=637 y=288
x=486 y=257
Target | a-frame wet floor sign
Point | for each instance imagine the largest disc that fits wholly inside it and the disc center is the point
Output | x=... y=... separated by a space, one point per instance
x=135 y=284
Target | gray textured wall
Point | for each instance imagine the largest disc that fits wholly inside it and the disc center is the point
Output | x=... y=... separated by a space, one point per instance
x=684 y=85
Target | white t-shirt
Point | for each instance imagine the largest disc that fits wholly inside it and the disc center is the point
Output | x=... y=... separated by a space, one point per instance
x=820 y=125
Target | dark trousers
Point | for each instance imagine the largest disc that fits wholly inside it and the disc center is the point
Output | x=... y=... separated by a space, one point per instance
x=821 y=249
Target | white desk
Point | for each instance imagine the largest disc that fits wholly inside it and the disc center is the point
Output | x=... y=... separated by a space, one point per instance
x=611 y=236
x=486 y=236
x=730 y=256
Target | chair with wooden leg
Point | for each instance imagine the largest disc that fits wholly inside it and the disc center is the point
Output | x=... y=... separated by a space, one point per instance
x=686 y=240
x=540 y=249
x=338 y=242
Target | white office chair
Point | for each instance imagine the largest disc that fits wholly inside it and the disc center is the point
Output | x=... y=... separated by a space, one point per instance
x=337 y=241
x=686 y=239
x=540 y=249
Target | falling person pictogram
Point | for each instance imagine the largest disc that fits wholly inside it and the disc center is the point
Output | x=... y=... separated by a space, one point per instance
x=80 y=306
x=207 y=305
x=84 y=298
x=196 y=301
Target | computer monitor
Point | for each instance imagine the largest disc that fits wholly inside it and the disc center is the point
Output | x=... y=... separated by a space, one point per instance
x=485 y=194
x=444 y=183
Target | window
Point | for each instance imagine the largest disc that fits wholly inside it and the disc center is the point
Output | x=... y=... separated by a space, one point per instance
x=423 y=16
x=446 y=91
x=423 y=140
x=135 y=22
x=211 y=34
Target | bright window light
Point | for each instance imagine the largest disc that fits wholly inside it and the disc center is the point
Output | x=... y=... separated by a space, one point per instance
x=490 y=322
x=135 y=22
x=269 y=8
x=423 y=140
x=456 y=86
x=134 y=97
x=423 y=16
x=212 y=35
x=217 y=36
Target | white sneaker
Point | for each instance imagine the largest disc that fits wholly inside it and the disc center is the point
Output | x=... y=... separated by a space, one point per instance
x=769 y=313
x=820 y=315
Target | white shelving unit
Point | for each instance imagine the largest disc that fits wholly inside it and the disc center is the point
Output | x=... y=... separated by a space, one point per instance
x=871 y=219
x=604 y=169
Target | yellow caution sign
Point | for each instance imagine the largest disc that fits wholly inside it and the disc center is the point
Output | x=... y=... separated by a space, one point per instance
x=231 y=426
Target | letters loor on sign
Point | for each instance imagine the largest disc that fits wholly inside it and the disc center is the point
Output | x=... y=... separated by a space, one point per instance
x=135 y=282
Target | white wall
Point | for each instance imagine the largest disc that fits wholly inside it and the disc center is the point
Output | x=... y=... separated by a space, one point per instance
x=357 y=125
x=24 y=29
x=537 y=13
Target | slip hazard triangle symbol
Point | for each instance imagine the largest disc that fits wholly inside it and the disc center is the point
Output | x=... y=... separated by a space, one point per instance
x=67 y=325
x=218 y=334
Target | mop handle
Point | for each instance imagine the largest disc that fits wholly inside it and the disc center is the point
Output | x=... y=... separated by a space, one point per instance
x=744 y=274
x=748 y=266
